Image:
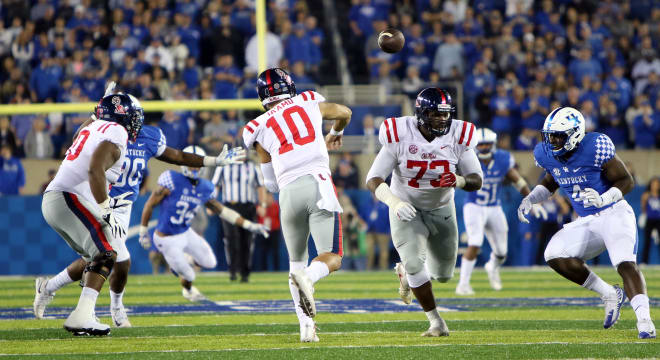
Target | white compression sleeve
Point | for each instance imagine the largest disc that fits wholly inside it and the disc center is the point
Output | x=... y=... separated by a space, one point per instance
x=468 y=163
x=270 y=180
x=384 y=194
x=229 y=215
x=538 y=194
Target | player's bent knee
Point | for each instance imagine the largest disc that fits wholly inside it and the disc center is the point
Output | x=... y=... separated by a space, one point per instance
x=103 y=263
x=442 y=279
x=413 y=266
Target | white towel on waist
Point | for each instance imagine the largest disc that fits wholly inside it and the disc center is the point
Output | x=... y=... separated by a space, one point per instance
x=328 y=199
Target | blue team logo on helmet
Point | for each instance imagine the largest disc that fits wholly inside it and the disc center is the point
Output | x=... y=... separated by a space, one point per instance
x=563 y=130
x=273 y=85
x=433 y=109
x=123 y=109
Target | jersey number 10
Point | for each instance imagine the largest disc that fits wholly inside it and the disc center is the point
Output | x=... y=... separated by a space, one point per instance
x=286 y=146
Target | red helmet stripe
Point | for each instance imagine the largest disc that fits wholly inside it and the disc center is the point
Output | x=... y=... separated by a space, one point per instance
x=396 y=132
x=470 y=135
x=270 y=83
x=442 y=95
x=387 y=127
x=460 y=140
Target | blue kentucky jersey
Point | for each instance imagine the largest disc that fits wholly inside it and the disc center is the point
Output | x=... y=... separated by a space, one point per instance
x=582 y=169
x=150 y=143
x=179 y=207
x=494 y=173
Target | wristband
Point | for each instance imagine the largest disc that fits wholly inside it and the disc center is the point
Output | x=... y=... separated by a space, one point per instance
x=384 y=194
x=229 y=215
x=209 y=161
x=333 y=132
x=521 y=183
x=143 y=230
x=538 y=194
x=460 y=181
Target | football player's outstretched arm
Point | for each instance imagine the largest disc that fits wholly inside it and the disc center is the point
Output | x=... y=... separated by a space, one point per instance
x=542 y=191
x=518 y=181
x=104 y=156
x=341 y=115
x=226 y=157
x=235 y=218
x=467 y=164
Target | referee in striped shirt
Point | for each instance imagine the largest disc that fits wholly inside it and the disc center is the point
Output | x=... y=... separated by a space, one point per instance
x=242 y=188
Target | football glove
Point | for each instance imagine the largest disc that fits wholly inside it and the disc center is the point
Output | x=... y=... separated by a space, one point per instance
x=539 y=212
x=405 y=211
x=120 y=201
x=145 y=239
x=641 y=220
x=116 y=229
x=449 y=179
x=227 y=157
x=591 y=197
x=524 y=209
x=256 y=228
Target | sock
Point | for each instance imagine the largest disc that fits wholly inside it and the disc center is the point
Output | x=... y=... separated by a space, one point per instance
x=640 y=303
x=58 y=281
x=466 y=270
x=595 y=283
x=434 y=317
x=116 y=299
x=295 y=294
x=317 y=270
x=87 y=300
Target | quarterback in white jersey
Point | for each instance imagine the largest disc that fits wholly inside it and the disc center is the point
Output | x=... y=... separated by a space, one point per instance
x=294 y=156
x=76 y=203
x=428 y=156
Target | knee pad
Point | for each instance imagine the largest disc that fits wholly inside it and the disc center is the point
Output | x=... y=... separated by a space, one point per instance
x=102 y=264
x=442 y=279
x=413 y=266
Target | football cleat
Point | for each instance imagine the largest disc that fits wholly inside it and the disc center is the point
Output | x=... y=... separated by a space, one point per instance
x=438 y=330
x=646 y=329
x=308 y=333
x=193 y=294
x=41 y=297
x=464 y=290
x=493 y=275
x=613 y=304
x=85 y=324
x=404 y=288
x=119 y=317
x=306 y=289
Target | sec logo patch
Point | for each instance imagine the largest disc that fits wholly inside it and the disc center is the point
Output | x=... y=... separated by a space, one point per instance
x=413 y=149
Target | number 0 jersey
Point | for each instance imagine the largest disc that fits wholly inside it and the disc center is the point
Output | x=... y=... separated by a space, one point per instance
x=150 y=143
x=416 y=164
x=582 y=169
x=73 y=174
x=179 y=207
x=494 y=172
x=292 y=133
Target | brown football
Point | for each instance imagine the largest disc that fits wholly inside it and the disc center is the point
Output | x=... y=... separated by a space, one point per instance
x=391 y=40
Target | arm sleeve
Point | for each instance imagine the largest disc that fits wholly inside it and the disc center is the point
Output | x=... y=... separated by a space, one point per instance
x=162 y=143
x=270 y=180
x=469 y=164
x=165 y=180
x=383 y=165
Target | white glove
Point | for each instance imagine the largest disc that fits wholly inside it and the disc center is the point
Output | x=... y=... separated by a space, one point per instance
x=145 y=239
x=539 y=212
x=256 y=228
x=116 y=229
x=524 y=209
x=591 y=197
x=641 y=220
x=405 y=211
x=227 y=157
x=120 y=201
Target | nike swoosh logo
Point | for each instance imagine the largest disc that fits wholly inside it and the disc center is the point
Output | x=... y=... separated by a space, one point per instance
x=577 y=169
x=140 y=144
x=447 y=217
x=442 y=147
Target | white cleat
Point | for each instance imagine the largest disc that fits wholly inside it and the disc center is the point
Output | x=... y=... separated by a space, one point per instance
x=464 y=290
x=493 y=275
x=308 y=333
x=193 y=294
x=81 y=324
x=119 y=317
x=646 y=329
x=613 y=304
x=41 y=297
x=404 y=288
x=306 y=289
x=437 y=331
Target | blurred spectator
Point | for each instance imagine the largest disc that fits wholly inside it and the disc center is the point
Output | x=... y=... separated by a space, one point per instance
x=377 y=217
x=353 y=233
x=269 y=216
x=346 y=174
x=274 y=49
x=299 y=46
x=51 y=176
x=501 y=105
x=191 y=74
x=175 y=129
x=227 y=78
x=179 y=52
x=534 y=109
x=316 y=34
x=647 y=126
x=613 y=125
x=584 y=65
x=157 y=53
x=12 y=175
x=448 y=61
x=643 y=67
x=527 y=139
x=7 y=136
x=217 y=128
x=38 y=144
x=649 y=219
x=412 y=83
x=300 y=78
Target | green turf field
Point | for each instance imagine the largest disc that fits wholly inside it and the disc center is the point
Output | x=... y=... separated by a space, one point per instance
x=537 y=315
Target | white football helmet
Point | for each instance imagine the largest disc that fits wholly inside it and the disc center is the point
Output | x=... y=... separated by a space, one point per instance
x=565 y=125
x=486 y=136
x=197 y=173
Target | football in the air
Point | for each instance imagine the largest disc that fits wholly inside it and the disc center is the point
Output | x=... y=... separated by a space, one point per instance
x=391 y=40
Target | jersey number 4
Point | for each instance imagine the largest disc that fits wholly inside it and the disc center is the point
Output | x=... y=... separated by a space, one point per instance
x=286 y=146
x=423 y=165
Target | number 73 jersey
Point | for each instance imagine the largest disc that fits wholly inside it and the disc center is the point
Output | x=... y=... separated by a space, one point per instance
x=292 y=133
x=416 y=164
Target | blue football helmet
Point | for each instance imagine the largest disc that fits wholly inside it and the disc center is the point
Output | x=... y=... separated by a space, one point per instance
x=123 y=109
x=273 y=85
x=434 y=109
x=563 y=130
